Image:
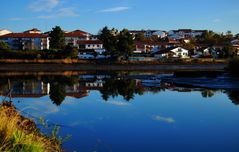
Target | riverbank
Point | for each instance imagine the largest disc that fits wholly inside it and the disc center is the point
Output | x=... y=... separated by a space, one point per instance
x=18 y=133
x=105 y=67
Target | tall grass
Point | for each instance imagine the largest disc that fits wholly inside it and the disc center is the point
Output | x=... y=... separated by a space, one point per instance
x=19 y=134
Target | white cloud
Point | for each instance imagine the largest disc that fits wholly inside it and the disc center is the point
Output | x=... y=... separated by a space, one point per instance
x=43 y=5
x=63 y=12
x=216 y=20
x=164 y=119
x=114 y=9
x=16 y=19
x=117 y=103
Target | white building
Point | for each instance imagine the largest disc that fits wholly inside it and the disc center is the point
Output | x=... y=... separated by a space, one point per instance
x=184 y=33
x=146 y=47
x=26 y=41
x=33 y=31
x=176 y=52
x=72 y=38
x=160 y=34
x=4 y=32
x=90 y=44
x=83 y=40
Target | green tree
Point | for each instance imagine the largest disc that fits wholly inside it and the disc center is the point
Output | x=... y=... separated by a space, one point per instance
x=4 y=46
x=139 y=37
x=125 y=43
x=109 y=40
x=71 y=52
x=57 y=39
x=237 y=36
x=229 y=51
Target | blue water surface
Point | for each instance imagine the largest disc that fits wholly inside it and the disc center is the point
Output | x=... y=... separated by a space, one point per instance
x=152 y=122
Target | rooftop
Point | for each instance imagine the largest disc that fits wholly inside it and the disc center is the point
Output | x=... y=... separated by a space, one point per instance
x=24 y=35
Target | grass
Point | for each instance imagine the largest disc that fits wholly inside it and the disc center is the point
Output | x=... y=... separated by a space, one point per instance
x=19 y=134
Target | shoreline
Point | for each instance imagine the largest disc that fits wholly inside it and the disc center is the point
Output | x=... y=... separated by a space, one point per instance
x=46 y=67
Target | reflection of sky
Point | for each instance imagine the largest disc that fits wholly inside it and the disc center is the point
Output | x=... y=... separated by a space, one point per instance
x=166 y=121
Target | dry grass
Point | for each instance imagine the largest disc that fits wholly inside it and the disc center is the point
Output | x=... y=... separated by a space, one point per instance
x=21 y=134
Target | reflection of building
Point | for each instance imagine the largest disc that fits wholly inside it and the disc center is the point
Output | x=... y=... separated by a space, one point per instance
x=35 y=89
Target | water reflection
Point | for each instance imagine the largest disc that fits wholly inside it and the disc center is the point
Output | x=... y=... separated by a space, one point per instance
x=114 y=84
x=118 y=111
x=233 y=96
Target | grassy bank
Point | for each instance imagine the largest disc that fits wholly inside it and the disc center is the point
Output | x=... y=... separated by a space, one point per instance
x=19 y=134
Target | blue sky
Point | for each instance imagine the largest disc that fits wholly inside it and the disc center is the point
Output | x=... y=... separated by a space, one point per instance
x=92 y=15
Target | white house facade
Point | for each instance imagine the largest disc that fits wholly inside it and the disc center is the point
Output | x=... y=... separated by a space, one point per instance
x=176 y=52
x=26 y=41
x=160 y=34
x=72 y=38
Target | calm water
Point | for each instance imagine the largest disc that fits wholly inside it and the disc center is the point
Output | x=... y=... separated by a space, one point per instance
x=116 y=112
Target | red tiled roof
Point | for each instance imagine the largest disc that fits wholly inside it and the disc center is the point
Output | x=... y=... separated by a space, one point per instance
x=90 y=42
x=76 y=33
x=24 y=35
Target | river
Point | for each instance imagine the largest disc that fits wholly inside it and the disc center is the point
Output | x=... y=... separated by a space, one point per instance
x=122 y=111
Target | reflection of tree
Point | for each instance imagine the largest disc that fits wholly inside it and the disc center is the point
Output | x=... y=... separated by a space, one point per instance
x=57 y=93
x=126 y=88
x=233 y=96
x=57 y=87
x=207 y=93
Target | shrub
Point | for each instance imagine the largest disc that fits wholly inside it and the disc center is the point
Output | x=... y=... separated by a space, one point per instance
x=233 y=66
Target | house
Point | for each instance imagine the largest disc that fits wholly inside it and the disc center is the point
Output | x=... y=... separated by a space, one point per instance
x=160 y=34
x=174 y=52
x=185 y=33
x=146 y=47
x=72 y=38
x=235 y=43
x=28 y=40
x=4 y=32
x=83 y=40
x=90 y=44
x=174 y=34
x=210 y=52
x=149 y=33
x=33 y=31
